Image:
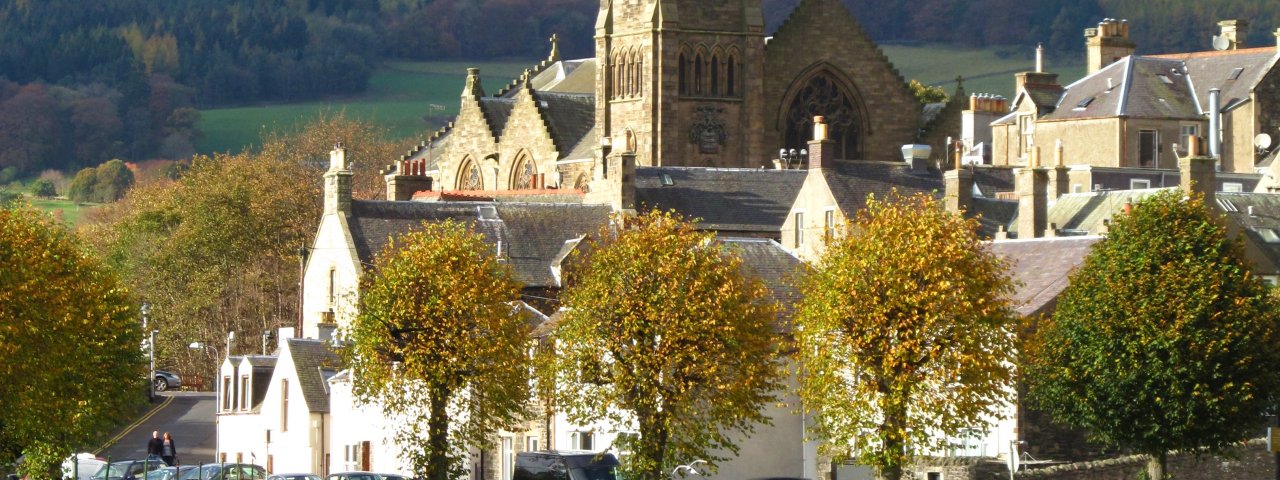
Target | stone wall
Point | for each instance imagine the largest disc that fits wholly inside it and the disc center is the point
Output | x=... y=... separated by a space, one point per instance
x=822 y=35
x=1251 y=460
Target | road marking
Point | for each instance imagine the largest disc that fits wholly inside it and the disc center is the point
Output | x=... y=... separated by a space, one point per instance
x=134 y=425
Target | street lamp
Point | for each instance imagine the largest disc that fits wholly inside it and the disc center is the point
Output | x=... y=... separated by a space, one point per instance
x=151 y=352
x=792 y=156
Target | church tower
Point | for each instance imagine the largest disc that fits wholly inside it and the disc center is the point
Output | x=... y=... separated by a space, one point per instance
x=680 y=81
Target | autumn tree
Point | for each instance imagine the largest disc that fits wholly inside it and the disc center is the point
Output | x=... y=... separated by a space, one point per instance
x=1163 y=340
x=905 y=335
x=440 y=344
x=663 y=335
x=69 y=339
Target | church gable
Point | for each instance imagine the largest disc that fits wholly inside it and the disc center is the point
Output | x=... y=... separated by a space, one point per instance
x=821 y=62
x=527 y=155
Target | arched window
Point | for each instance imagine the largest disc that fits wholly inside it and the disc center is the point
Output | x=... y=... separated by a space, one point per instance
x=469 y=176
x=731 y=76
x=683 y=74
x=522 y=173
x=639 y=74
x=824 y=95
x=697 y=73
x=715 y=74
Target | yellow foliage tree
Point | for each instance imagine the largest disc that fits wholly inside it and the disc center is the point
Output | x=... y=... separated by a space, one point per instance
x=905 y=334
x=664 y=336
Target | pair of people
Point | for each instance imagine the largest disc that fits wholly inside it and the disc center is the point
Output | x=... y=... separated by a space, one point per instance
x=163 y=447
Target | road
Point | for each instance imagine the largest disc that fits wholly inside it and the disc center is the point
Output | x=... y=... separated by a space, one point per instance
x=187 y=416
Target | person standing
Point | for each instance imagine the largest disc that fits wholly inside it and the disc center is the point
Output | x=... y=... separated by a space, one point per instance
x=168 y=451
x=155 y=445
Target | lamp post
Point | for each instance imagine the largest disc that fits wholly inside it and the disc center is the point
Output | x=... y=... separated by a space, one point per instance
x=151 y=352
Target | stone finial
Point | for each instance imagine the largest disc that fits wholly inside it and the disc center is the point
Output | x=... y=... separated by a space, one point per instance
x=473 y=87
x=555 y=48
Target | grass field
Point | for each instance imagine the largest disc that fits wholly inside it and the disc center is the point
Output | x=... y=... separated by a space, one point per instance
x=70 y=212
x=982 y=69
x=401 y=94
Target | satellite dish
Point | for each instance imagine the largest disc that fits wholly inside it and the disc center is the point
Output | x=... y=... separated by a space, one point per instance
x=1262 y=141
x=1221 y=42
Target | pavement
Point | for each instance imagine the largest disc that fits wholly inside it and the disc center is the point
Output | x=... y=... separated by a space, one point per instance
x=187 y=416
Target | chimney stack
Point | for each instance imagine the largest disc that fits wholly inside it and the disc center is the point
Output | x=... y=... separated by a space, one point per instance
x=958 y=186
x=1031 y=186
x=405 y=179
x=822 y=150
x=1198 y=174
x=1059 y=175
x=1235 y=32
x=1107 y=43
x=1277 y=35
x=473 y=89
x=337 y=182
x=1040 y=58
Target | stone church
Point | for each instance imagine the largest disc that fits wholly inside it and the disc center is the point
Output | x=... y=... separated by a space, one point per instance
x=674 y=83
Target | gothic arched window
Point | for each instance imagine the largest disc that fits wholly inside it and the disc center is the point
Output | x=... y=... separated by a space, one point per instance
x=715 y=74
x=469 y=176
x=731 y=76
x=826 y=96
x=683 y=73
x=697 y=73
x=522 y=174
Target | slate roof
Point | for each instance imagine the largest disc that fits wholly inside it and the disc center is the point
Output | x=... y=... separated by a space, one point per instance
x=766 y=260
x=262 y=366
x=1042 y=268
x=531 y=233
x=567 y=76
x=993 y=214
x=1141 y=87
x=851 y=182
x=1215 y=69
x=1262 y=227
x=496 y=112
x=1044 y=97
x=726 y=199
x=314 y=362
x=569 y=116
x=991 y=180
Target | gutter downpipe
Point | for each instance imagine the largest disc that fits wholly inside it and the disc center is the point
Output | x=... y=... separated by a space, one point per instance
x=1215 y=124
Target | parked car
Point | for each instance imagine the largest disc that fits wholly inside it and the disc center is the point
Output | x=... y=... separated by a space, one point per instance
x=165 y=380
x=565 y=465
x=169 y=473
x=226 y=471
x=294 y=476
x=81 y=466
x=365 y=476
x=129 y=469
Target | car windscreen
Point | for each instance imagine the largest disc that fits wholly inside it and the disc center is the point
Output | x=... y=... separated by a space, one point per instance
x=595 y=472
x=203 y=473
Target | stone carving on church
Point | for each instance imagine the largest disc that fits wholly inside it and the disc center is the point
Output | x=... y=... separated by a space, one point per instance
x=523 y=175
x=470 y=178
x=708 y=131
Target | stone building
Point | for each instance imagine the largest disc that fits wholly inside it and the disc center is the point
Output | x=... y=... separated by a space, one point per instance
x=677 y=83
x=1140 y=111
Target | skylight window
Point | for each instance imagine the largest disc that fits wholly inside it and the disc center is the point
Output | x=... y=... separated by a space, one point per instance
x=1235 y=74
x=1165 y=79
x=666 y=180
x=1085 y=103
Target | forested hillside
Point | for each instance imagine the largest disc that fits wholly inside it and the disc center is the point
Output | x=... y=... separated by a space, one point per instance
x=82 y=82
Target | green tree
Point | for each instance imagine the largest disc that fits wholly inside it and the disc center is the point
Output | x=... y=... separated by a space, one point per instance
x=440 y=344
x=69 y=341
x=113 y=179
x=905 y=334
x=83 y=185
x=927 y=94
x=1163 y=340
x=663 y=335
x=43 y=188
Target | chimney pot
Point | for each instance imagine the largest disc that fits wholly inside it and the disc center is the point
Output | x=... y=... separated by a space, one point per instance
x=819 y=128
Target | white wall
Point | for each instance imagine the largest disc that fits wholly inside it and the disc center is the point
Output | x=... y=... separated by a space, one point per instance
x=333 y=250
x=300 y=445
x=354 y=424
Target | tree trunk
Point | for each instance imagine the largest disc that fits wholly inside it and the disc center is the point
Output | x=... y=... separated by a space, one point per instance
x=1156 y=466
x=893 y=453
x=438 y=436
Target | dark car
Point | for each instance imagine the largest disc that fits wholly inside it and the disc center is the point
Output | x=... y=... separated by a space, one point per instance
x=565 y=465
x=129 y=469
x=365 y=476
x=165 y=380
x=226 y=471
x=168 y=473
